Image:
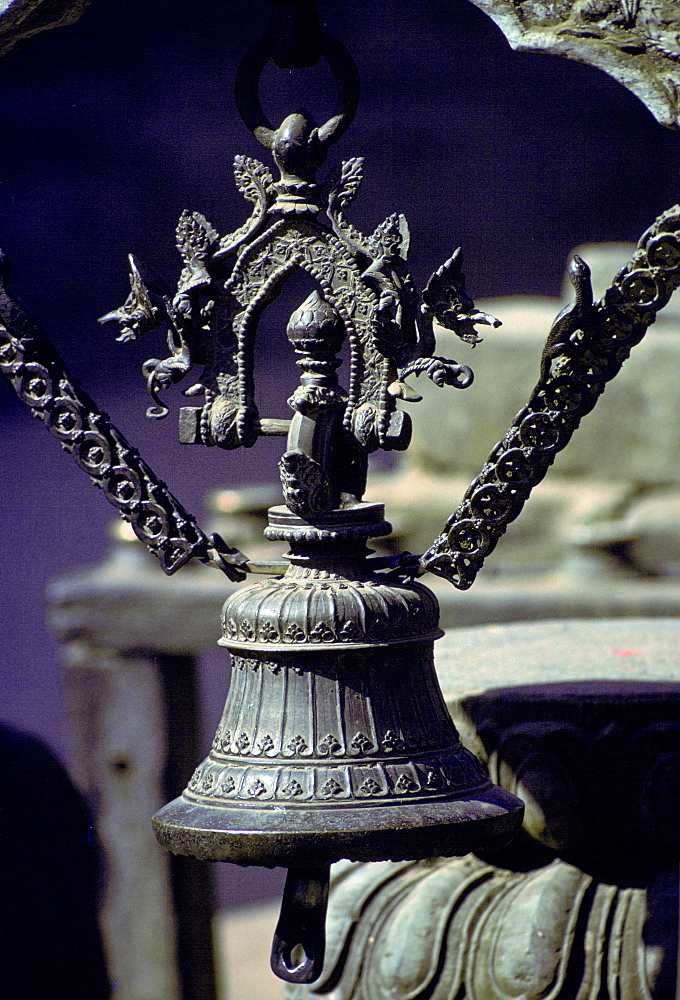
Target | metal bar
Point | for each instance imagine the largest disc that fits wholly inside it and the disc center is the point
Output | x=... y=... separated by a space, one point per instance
x=42 y=381
x=586 y=349
x=273 y=427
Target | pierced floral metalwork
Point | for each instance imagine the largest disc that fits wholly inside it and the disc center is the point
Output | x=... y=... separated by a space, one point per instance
x=364 y=293
x=43 y=382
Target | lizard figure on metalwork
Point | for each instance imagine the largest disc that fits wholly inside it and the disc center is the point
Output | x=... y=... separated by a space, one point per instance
x=575 y=316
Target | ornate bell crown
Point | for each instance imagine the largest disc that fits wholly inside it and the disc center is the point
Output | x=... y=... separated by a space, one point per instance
x=328 y=601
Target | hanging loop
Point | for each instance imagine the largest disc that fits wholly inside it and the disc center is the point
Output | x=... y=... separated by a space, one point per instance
x=344 y=72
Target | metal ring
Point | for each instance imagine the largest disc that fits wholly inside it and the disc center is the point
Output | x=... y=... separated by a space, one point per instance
x=344 y=73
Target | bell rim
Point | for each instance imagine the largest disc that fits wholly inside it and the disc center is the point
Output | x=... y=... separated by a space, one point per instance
x=485 y=818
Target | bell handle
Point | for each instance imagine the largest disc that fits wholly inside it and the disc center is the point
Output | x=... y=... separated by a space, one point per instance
x=299 y=944
x=42 y=381
x=586 y=348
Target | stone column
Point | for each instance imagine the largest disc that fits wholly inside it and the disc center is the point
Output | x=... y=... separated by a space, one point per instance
x=130 y=638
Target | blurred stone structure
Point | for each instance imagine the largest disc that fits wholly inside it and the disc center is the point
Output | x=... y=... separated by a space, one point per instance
x=580 y=719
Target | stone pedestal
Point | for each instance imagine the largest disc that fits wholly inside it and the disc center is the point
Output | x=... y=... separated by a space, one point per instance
x=582 y=721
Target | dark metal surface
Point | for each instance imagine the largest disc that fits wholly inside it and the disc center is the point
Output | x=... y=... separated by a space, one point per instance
x=367 y=293
x=334 y=740
x=298 y=948
x=350 y=751
x=248 y=103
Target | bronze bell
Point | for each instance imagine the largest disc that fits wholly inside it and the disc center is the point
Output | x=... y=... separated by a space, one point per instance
x=335 y=741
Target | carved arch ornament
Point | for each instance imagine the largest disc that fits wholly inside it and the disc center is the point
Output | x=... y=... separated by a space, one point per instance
x=227 y=282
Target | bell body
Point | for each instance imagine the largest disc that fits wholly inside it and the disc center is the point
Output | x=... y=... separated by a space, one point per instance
x=335 y=741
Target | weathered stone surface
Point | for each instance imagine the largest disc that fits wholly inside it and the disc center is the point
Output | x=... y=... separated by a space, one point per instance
x=419 y=500
x=117 y=724
x=580 y=719
x=129 y=642
x=464 y=928
x=125 y=604
x=470 y=661
x=635 y=41
x=631 y=435
x=21 y=19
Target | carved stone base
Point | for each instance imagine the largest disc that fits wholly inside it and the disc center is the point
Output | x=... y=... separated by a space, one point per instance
x=463 y=928
x=580 y=720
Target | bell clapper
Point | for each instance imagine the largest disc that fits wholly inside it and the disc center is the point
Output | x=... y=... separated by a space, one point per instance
x=299 y=942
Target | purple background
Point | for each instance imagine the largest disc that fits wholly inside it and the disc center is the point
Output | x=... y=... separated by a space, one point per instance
x=111 y=127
